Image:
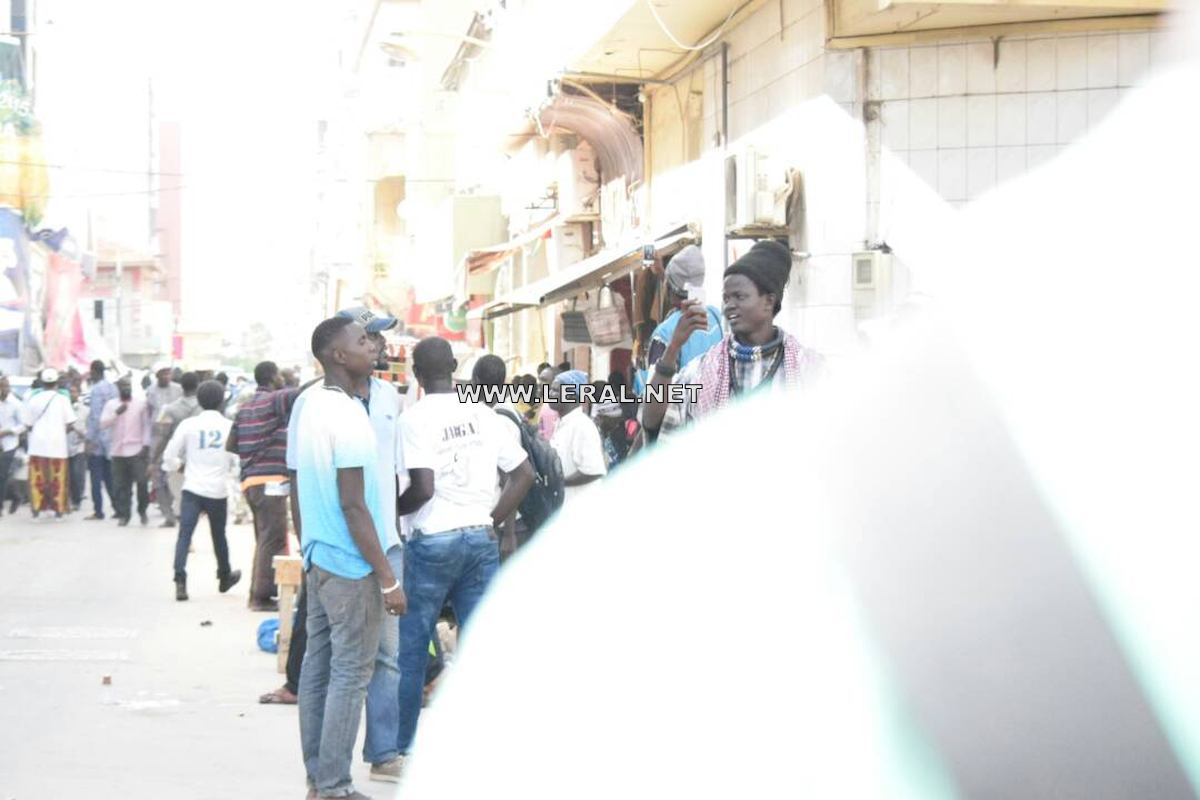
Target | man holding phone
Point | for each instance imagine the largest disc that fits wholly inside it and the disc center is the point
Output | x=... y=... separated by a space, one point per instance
x=685 y=284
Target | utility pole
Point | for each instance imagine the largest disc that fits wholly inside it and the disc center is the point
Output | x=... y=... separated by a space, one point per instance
x=119 y=294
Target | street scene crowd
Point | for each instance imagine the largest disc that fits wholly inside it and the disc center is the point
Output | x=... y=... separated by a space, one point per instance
x=403 y=507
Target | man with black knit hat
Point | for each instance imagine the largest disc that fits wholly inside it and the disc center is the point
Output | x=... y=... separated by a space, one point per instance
x=755 y=355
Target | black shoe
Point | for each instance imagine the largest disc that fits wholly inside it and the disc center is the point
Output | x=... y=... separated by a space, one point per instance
x=264 y=605
x=35 y=514
x=168 y=523
x=94 y=516
x=181 y=590
x=229 y=581
x=122 y=522
x=144 y=517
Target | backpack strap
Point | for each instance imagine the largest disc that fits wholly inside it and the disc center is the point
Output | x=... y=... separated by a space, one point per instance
x=512 y=416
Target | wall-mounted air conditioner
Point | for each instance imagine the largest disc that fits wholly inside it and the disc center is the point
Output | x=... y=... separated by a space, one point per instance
x=875 y=289
x=756 y=191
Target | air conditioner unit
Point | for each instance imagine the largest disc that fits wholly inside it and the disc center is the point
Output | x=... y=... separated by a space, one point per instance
x=874 y=290
x=759 y=191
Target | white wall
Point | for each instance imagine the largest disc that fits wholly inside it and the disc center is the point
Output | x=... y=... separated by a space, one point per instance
x=946 y=123
x=966 y=117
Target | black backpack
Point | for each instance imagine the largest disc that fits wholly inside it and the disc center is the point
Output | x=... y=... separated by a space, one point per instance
x=546 y=495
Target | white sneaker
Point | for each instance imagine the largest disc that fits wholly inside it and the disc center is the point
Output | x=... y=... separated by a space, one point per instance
x=389 y=771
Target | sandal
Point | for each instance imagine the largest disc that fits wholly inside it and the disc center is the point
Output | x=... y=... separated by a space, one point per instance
x=279 y=697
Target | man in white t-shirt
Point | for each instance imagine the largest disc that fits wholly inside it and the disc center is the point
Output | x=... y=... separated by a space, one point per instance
x=198 y=446
x=452 y=450
x=576 y=439
x=49 y=417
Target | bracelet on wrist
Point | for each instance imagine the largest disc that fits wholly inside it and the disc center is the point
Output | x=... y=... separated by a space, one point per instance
x=393 y=588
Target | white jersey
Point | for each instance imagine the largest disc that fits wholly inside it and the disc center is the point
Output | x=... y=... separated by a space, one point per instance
x=198 y=445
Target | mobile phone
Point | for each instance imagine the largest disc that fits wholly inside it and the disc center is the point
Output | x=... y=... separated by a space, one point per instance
x=696 y=293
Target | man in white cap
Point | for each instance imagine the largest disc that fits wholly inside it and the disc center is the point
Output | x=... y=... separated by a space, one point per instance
x=686 y=268
x=48 y=417
x=161 y=394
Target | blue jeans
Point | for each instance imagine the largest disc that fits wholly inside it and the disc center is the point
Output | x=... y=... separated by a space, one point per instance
x=383 y=693
x=192 y=505
x=77 y=470
x=100 y=469
x=6 y=462
x=345 y=620
x=454 y=566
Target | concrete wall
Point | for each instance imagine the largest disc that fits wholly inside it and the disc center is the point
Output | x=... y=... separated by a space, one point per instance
x=967 y=116
x=943 y=124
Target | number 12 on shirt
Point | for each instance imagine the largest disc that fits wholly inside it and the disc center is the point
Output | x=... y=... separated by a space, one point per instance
x=210 y=440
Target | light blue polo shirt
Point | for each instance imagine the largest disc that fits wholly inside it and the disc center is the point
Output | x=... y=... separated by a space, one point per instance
x=334 y=432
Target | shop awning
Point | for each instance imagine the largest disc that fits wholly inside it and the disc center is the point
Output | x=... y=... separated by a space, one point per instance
x=484 y=259
x=591 y=273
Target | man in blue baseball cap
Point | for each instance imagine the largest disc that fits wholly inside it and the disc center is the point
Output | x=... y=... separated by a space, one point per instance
x=372 y=322
x=375 y=325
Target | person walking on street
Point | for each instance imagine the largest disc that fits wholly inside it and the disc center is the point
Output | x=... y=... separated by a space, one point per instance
x=198 y=447
x=77 y=449
x=125 y=416
x=12 y=425
x=452 y=451
x=259 y=437
x=161 y=394
x=349 y=578
x=99 y=439
x=165 y=424
x=49 y=417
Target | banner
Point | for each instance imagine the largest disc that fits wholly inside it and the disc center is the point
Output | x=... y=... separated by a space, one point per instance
x=24 y=182
x=14 y=260
x=64 y=330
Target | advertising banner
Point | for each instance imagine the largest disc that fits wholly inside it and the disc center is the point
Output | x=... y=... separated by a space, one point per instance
x=63 y=337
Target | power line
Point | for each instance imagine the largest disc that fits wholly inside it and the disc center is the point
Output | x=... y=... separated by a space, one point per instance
x=699 y=45
x=97 y=194
x=93 y=169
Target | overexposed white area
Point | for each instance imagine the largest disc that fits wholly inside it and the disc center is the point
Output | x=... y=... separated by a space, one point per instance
x=683 y=632
x=247 y=83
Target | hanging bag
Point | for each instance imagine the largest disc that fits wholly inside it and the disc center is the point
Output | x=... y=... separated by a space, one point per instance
x=608 y=324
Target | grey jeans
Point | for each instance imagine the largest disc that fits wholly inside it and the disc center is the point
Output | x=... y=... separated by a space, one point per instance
x=163 y=495
x=345 y=621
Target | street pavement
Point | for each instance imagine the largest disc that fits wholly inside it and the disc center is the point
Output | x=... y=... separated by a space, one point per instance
x=82 y=600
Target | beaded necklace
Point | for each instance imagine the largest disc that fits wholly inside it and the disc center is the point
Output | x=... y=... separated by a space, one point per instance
x=741 y=355
x=754 y=352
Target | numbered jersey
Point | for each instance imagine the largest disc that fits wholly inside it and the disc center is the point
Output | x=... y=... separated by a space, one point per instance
x=198 y=446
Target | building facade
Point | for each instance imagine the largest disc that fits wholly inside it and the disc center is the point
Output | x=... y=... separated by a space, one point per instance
x=841 y=128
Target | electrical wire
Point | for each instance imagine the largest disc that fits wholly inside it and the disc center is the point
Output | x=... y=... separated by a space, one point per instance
x=93 y=169
x=692 y=47
x=97 y=194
